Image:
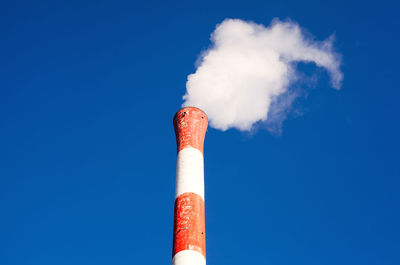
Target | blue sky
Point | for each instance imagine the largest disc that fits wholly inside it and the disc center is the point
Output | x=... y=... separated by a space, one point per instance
x=88 y=90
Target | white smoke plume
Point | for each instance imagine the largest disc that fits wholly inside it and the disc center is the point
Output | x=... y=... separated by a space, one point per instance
x=243 y=76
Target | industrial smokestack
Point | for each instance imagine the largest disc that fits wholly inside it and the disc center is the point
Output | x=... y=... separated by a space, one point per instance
x=189 y=242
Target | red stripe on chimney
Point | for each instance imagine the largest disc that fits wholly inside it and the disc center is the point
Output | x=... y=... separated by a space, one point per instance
x=190 y=125
x=189 y=224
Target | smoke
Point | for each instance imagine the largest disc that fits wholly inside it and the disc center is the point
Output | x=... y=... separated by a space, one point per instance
x=246 y=74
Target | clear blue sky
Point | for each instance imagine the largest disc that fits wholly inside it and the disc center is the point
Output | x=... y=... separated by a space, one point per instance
x=88 y=90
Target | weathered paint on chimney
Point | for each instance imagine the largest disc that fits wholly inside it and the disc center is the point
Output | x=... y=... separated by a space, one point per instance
x=189 y=239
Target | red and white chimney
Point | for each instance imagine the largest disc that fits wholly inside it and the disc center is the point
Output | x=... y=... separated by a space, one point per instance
x=189 y=244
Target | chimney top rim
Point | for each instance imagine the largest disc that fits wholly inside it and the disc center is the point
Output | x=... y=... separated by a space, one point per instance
x=188 y=108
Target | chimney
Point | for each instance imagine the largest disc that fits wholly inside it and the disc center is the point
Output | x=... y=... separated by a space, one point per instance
x=189 y=242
